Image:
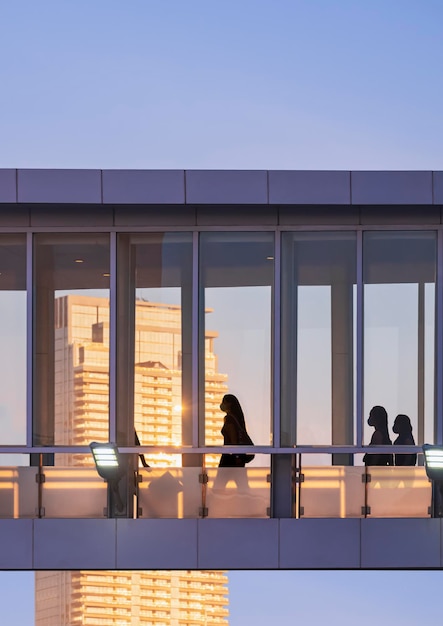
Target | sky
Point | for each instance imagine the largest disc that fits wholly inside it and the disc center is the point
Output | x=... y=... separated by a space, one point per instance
x=281 y=84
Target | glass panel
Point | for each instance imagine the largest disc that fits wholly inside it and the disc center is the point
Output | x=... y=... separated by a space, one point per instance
x=398 y=492
x=238 y=492
x=318 y=327
x=332 y=491
x=399 y=328
x=170 y=492
x=155 y=273
x=18 y=492
x=71 y=322
x=74 y=493
x=236 y=274
x=12 y=341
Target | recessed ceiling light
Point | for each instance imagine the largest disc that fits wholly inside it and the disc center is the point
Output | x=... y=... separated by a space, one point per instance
x=79 y=260
x=269 y=258
x=106 y=274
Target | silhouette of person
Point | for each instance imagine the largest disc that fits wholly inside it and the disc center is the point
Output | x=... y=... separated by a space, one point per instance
x=378 y=418
x=403 y=428
x=234 y=419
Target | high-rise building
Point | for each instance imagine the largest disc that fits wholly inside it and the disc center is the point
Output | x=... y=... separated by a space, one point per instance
x=113 y=598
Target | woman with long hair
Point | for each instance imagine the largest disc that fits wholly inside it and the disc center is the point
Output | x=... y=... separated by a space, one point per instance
x=378 y=418
x=403 y=428
x=234 y=420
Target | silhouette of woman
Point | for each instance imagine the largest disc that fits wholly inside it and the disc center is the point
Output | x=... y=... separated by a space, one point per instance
x=378 y=418
x=234 y=419
x=403 y=428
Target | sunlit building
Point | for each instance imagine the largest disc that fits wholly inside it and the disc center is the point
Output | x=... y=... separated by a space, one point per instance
x=81 y=407
x=107 y=598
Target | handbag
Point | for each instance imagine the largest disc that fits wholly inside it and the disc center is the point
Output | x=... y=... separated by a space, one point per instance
x=244 y=440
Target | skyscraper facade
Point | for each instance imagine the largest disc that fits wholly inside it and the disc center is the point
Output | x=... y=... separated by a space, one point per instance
x=81 y=345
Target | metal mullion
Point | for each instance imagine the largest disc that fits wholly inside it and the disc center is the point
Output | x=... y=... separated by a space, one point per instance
x=439 y=343
x=195 y=340
x=29 y=337
x=359 y=339
x=276 y=439
x=113 y=339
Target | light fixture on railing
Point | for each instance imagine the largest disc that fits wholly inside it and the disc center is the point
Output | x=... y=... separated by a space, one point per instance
x=107 y=460
x=434 y=470
x=433 y=461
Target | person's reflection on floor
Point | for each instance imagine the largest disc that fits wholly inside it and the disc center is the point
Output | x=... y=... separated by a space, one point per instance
x=378 y=418
x=403 y=428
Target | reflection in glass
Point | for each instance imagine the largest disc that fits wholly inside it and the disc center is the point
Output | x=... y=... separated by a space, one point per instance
x=318 y=294
x=71 y=340
x=161 y=300
x=399 y=312
x=12 y=341
x=236 y=277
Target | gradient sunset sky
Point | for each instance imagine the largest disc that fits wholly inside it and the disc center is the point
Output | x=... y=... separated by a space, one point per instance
x=238 y=84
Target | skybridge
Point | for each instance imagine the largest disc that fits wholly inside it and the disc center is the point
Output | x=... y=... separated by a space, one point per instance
x=131 y=302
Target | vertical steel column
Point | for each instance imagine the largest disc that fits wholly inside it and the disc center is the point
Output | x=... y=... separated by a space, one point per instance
x=282 y=465
x=359 y=383
x=113 y=340
x=194 y=412
x=197 y=346
x=29 y=337
x=342 y=361
x=276 y=347
x=421 y=364
x=439 y=343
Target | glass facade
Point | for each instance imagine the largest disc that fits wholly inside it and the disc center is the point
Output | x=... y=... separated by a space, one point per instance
x=13 y=339
x=318 y=326
x=110 y=334
x=399 y=271
x=70 y=338
x=236 y=288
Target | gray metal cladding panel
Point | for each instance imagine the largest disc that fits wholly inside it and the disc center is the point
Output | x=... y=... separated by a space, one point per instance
x=319 y=543
x=157 y=544
x=16 y=541
x=226 y=187
x=238 y=544
x=391 y=187
x=437 y=178
x=74 y=544
x=400 y=543
x=143 y=186
x=8 y=185
x=309 y=187
x=59 y=186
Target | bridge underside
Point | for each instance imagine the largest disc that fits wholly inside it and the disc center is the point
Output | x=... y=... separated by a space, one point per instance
x=54 y=544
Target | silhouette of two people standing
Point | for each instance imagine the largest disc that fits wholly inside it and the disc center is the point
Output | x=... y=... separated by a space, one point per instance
x=378 y=418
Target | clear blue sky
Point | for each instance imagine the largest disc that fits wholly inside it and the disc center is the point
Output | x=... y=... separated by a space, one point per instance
x=334 y=84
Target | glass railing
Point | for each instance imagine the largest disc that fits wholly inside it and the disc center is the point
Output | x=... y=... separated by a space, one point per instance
x=320 y=489
x=342 y=491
